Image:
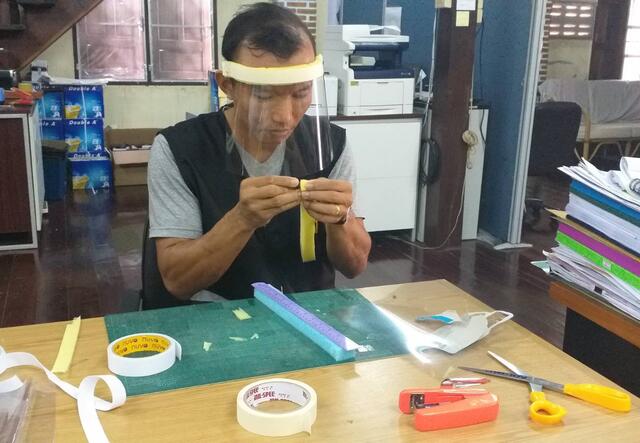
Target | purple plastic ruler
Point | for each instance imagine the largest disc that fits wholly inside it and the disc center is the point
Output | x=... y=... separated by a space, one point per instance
x=310 y=319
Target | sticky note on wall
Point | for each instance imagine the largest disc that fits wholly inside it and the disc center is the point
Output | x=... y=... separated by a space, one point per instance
x=466 y=5
x=462 y=19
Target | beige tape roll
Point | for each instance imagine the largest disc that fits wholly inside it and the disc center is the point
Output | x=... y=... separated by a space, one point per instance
x=165 y=350
x=277 y=424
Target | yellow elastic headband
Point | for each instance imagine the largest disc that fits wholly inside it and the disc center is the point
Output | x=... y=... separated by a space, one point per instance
x=281 y=75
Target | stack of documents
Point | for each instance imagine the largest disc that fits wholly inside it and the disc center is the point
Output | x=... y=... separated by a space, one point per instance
x=599 y=234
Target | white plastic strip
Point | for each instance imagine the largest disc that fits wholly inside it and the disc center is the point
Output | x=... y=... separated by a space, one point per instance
x=278 y=75
x=277 y=424
x=87 y=402
x=11 y=384
x=166 y=349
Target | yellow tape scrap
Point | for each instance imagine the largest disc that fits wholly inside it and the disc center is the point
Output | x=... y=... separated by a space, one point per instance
x=241 y=314
x=67 y=347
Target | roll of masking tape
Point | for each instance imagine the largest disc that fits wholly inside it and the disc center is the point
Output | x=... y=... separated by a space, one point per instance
x=164 y=351
x=277 y=424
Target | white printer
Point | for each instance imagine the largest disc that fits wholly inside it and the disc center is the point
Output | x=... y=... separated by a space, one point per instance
x=371 y=79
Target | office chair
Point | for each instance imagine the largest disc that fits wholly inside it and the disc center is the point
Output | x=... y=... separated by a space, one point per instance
x=553 y=142
x=153 y=294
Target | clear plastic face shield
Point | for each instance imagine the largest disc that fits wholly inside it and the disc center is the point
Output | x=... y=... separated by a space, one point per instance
x=278 y=120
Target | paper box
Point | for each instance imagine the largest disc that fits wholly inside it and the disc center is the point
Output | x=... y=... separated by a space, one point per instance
x=83 y=102
x=91 y=171
x=52 y=129
x=84 y=136
x=130 y=164
x=51 y=105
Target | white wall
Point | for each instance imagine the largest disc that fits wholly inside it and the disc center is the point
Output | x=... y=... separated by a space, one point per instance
x=322 y=11
x=154 y=106
x=60 y=56
x=227 y=8
x=225 y=12
x=569 y=59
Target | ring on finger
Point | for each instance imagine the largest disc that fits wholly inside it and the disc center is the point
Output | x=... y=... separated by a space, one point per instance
x=338 y=210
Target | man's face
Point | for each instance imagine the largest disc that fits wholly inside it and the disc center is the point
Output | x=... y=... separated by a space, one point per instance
x=267 y=115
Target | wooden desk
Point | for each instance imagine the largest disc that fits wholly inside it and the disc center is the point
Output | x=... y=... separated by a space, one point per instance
x=356 y=401
x=592 y=321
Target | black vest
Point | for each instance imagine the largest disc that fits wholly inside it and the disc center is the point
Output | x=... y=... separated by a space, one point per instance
x=272 y=254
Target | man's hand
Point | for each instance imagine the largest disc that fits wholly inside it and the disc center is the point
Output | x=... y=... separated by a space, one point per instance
x=348 y=244
x=262 y=198
x=327 y=200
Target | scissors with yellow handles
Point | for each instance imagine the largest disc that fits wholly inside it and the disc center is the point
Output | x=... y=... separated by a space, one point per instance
x=544 y=411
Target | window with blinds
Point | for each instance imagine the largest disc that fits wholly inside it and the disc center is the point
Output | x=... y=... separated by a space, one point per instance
x=571 y=19
x=565 y=19
x=631 y=69
x=180 y=39
x=160 y=41
x=110 y=42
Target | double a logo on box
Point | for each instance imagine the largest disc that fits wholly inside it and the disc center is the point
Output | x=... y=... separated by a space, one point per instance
x=51 y=105
x=52 y=129
x=91 y=171
x=83 y=102
x=84 y=135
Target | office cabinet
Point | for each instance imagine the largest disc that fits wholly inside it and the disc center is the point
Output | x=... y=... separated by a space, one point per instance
x=21 y=179
x=386 y=152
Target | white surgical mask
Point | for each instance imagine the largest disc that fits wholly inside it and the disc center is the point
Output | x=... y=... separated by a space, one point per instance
x=469 y=329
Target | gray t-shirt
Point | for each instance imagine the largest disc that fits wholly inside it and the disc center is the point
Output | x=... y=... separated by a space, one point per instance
x=174 y=210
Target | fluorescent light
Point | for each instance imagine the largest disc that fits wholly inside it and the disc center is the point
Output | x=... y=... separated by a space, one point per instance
x=585 y=15
x=568 y=33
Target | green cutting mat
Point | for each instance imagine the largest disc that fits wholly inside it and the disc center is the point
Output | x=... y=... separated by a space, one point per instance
x=276 y=346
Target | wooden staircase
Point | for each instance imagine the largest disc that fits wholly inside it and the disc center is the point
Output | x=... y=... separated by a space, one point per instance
x=28 y=27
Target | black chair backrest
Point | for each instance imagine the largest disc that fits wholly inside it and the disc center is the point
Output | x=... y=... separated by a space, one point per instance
x=553 y=141
x=154 y=294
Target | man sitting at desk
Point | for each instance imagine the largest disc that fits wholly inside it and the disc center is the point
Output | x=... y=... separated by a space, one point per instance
x=224 y=188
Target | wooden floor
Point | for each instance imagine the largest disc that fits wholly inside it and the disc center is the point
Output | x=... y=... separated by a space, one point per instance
x=88 y=264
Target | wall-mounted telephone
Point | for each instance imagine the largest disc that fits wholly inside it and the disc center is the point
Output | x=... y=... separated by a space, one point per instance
x=429 y=161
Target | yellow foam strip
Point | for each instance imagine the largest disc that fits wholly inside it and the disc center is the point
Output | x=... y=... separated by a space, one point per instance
x=278 y=75
x=241 y=314
x=67 y=347
x=308 y=230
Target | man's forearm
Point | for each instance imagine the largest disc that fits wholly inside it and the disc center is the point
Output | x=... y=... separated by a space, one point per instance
x=348 y=247
x=188 y=266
